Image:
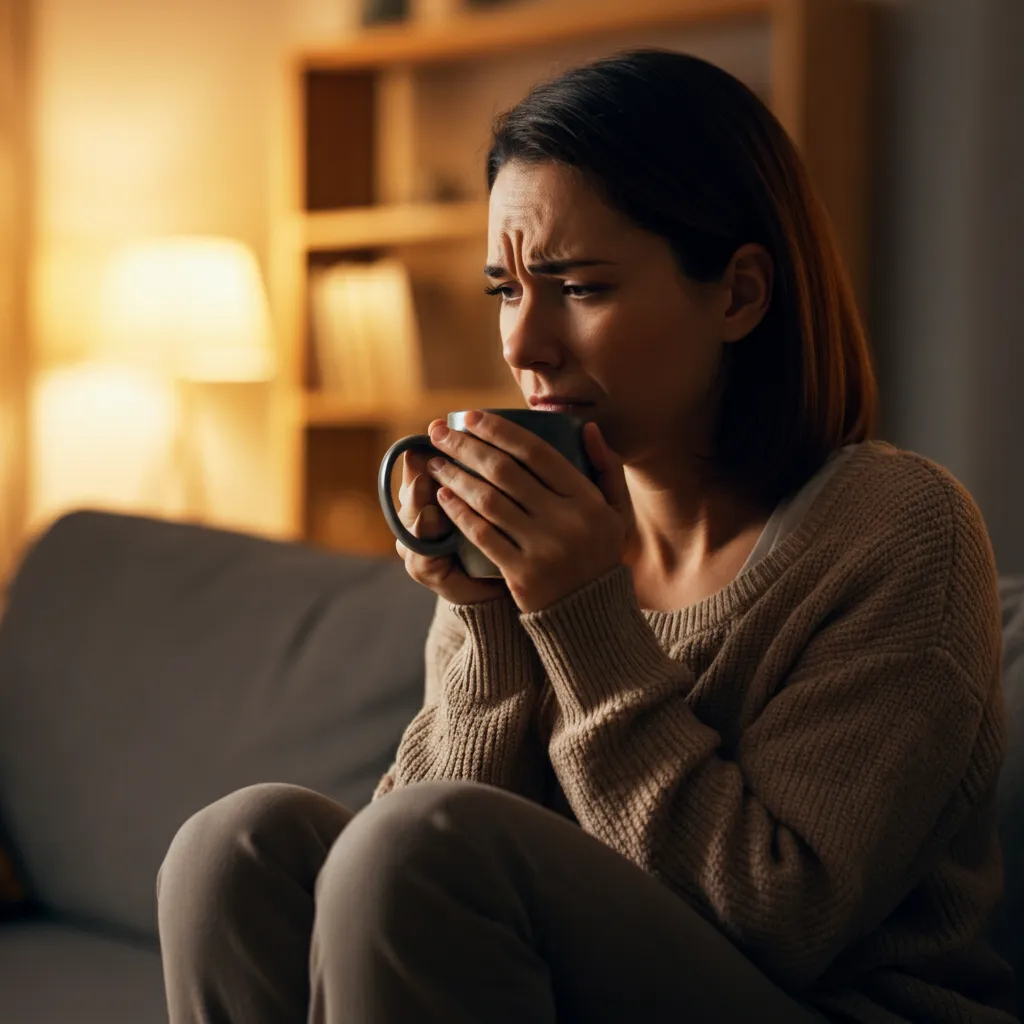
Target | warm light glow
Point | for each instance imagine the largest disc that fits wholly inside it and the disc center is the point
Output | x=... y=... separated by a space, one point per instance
x=192 y=307
x=103 y=437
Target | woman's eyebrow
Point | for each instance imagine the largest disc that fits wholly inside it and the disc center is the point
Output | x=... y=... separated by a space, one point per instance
x=546 y=268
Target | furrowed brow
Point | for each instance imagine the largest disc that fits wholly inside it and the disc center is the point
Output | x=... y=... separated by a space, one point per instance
x=546 y=268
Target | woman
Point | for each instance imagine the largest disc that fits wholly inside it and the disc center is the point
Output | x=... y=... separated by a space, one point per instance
x=735 y=706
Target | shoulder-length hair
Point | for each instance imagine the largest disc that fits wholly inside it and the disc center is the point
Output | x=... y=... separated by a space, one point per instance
x=688 y=152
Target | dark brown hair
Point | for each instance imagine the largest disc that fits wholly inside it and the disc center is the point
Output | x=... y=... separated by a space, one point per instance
x=688 y=152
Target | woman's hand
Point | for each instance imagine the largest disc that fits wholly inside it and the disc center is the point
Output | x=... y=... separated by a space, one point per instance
x=548 y=528
x=422 y=517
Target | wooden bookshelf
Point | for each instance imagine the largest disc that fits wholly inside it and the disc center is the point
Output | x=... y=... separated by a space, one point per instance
x=382 y=136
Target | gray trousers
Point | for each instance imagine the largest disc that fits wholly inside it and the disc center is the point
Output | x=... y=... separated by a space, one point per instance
x=440 y=903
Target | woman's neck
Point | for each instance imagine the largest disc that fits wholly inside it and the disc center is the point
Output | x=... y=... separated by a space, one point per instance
x=688 y=541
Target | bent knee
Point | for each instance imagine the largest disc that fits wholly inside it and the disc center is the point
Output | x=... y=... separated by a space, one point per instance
x=419 y=823
x=436 y=808
x=218 y=832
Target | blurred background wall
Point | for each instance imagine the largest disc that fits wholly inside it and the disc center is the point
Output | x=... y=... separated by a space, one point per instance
x=948 y=315
x=153 y=117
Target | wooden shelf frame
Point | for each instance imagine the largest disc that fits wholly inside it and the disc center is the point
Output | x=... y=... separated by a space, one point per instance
x=372 y=227
x=530 y=24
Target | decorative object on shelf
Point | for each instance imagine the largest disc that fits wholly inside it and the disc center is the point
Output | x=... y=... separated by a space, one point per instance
x=193 y=309
x=440 y=187
x=364 y=331
x=377 y=11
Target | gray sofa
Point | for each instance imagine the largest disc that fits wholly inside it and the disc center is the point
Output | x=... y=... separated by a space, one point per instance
x=147 y=668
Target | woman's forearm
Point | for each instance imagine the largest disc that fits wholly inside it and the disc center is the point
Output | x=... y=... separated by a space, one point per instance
x=483 y=679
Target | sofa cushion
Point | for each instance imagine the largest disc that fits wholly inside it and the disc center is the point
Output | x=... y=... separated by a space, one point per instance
x=53 y=972
x=12 y=888
x=13 y=891
x=148 y=668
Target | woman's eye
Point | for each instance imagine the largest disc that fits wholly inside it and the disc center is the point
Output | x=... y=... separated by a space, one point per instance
x=504 y=290
x=576 y=291
x=580 y=291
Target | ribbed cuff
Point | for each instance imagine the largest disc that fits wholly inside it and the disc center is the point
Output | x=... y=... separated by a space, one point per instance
x=596 y=645
x=498 y=664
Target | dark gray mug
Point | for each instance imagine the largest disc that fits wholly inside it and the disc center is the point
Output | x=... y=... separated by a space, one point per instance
x=562 y=431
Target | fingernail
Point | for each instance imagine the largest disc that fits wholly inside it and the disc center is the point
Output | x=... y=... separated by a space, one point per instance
x=434 y=465
x=439 y=433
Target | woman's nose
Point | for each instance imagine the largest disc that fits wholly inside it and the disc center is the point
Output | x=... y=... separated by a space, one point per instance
x=532 y=338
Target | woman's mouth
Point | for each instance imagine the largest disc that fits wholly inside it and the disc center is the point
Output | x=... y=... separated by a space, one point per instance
x=574 y=407
x=559 y=403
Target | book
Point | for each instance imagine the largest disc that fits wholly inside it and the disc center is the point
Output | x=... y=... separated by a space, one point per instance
x=391 y=328
x=364 y=331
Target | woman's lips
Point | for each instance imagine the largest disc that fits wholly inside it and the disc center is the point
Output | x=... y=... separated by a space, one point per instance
x=563 y=406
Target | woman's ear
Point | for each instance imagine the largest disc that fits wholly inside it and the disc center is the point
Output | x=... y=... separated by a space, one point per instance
x=749 y=278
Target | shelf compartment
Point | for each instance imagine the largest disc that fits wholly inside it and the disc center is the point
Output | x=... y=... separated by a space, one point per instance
x=341 y=510
x=340 y=138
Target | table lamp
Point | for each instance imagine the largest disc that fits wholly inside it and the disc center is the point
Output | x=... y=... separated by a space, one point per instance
x=194 y=309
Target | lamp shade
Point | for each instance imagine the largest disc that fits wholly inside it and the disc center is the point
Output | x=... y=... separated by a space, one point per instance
x=192 y=307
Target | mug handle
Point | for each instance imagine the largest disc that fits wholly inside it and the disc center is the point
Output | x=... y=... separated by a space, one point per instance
x=431 y=548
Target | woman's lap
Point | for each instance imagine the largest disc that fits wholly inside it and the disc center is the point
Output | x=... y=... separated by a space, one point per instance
x=440 y=902
x=615 y=944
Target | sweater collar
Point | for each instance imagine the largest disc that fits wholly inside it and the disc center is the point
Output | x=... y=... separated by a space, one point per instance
x=737 y=596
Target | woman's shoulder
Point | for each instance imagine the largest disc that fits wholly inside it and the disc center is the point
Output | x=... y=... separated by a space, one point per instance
x=905 y=527
x=900 y=492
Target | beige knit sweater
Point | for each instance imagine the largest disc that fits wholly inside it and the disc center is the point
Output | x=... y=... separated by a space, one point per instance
x=807 y=756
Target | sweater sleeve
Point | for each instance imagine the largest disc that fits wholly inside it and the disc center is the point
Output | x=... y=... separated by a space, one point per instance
x=483 y=679
x=806 y=832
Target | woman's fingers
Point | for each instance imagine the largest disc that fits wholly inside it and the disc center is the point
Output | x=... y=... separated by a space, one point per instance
x=418 y=491
x=432 y=523
x=419 y=511
x=413 y=467
x=421 y=514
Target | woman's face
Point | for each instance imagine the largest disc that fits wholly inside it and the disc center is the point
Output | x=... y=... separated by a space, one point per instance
x=596 y=308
